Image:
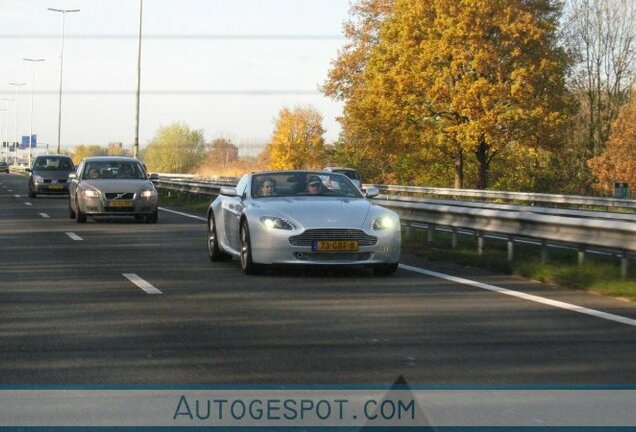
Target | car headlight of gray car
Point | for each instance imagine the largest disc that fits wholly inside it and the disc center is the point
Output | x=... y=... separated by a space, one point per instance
x=89 y=193
x=147 y=193
x=273 y=222
x=38 y=179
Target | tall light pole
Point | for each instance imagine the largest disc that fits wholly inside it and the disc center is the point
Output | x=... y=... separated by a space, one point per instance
x=17 y=135
x=136 y=145
x=6 y=126
x=33 y=62
x=59 y=110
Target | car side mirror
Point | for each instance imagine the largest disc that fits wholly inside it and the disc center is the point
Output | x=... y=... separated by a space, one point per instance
x=154 y=177
x=372 y=192
x=228 y=191
x=28 y=170
x=72 y=176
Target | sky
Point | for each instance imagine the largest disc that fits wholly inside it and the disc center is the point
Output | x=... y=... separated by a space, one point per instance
x=225 y=67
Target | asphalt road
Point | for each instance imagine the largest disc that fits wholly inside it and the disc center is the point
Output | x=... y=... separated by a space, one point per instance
x=68 y=315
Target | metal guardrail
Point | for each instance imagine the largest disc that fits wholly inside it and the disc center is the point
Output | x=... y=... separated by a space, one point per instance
x=569 y=200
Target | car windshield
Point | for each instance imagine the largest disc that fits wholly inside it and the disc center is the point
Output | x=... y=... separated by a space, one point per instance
x=53 y=164
x=352 y=174
x=113 y=170
x=291 y=184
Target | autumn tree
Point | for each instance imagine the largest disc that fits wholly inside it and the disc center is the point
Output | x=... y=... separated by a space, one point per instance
x=297 y=140
x=83 y=151
x=175 y=149
x=618 y=161
x=601 y=35
x=221 y=151
x=449 y=78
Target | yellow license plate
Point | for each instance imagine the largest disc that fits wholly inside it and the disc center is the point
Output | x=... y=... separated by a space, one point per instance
x=121 y=203
x=335 y=245
x=56 y=186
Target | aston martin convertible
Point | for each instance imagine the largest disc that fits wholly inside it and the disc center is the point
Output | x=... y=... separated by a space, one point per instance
x=302 y=217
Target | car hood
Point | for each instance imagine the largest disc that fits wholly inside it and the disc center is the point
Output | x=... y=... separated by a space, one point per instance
x=53 y=175
x=118 y=186
x=318 y=212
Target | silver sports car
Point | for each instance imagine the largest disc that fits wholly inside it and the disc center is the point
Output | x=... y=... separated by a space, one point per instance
x=302 y=217
x=112 y=186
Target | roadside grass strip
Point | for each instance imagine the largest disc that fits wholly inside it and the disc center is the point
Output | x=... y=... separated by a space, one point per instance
x=142 y=284
x=74 y=236
x=524 y=296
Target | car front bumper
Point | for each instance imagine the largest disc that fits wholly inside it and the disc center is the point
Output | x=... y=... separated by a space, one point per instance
x=99 y=206
x=273 y=247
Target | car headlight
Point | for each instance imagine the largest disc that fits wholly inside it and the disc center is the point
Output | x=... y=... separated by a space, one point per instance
x=147 y=193
x=38 y=179
x=277 y=223
x=383 y=223
x=89 y=193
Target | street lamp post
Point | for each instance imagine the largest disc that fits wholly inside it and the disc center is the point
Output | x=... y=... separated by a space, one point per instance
x=136 y=145
x=6 y=125
x=59 y=110
x=17 y=135
x=33 y=62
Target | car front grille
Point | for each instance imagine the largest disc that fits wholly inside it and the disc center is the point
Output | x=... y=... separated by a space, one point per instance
x=119 y=195
x=308 y=237
x=335 y=256
x=51 y=181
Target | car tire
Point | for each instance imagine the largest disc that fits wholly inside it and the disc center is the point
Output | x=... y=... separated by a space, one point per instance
x=31 y=193
x=153 y=218
x=79 y=216
x=247 y=264
x=71 y=212
x=385 y=269
x=214 y=252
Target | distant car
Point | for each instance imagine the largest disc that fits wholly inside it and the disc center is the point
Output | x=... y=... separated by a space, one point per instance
x=4 y=167
x=353 y=174
x=113 y=187
x=49 y=175
x=302 y=217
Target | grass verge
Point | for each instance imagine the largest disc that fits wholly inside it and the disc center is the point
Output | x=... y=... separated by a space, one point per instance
x=197 y=203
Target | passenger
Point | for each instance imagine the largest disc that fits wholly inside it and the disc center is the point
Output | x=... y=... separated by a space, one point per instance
x=92 y=173
x=125 y=171
x=268 y=187
x=314 y=185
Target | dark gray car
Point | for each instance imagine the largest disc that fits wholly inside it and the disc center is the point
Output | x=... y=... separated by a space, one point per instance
x=49 y=175
x=4 y=167
x=112 y=186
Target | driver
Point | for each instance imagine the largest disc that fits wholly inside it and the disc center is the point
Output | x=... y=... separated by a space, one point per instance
x=314 y=185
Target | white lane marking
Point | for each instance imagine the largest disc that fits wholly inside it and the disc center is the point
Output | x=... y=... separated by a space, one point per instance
x=9 y=190
x=27 y=203
x=74 y=236
x=44 y=215
x=183 y=214
x=149 y=289
x=524 y=296
x=17 y=196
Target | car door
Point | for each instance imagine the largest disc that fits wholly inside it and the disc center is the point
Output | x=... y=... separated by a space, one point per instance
x=232 y=209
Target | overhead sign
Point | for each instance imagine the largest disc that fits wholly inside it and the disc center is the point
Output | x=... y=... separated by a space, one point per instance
x=25 y=141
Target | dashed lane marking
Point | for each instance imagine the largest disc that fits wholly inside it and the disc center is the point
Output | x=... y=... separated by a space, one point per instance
x=44 y=215
x=74 y=236
x=145 y=286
